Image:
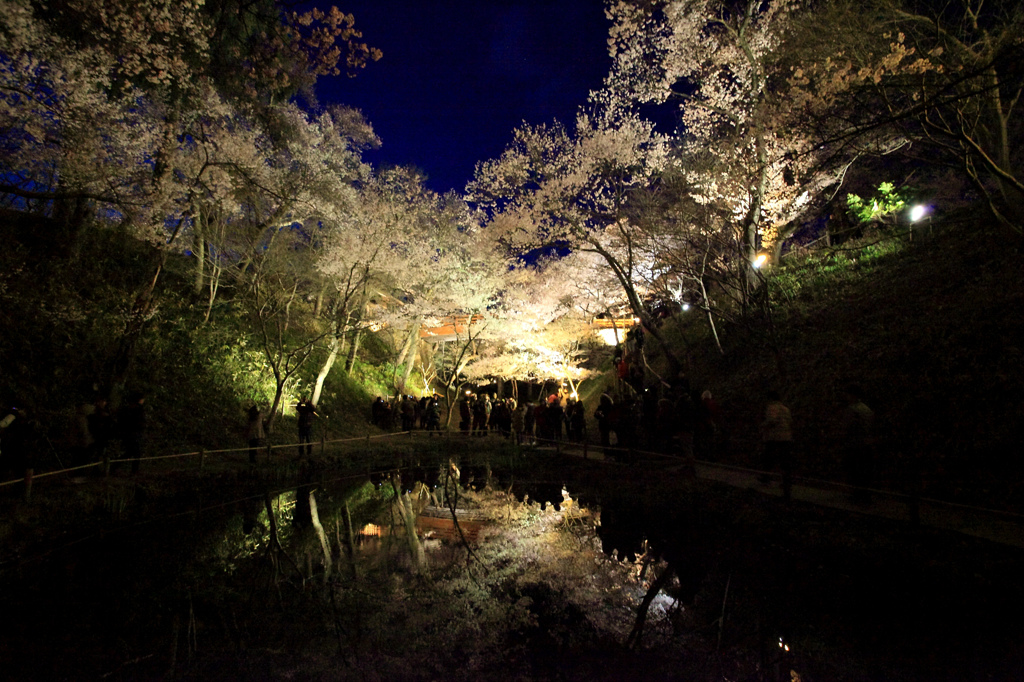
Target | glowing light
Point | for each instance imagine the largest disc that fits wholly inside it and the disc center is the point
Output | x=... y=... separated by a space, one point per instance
x=574 y=394
x=469 y=392
x=917 y=212
x=760 y=260
x=686 y=306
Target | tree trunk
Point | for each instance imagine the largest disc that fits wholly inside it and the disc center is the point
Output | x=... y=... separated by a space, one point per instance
x=276 y=405
x=215 y=271
x=325 y=369
x=350 y=361
x=414 y=334
x=407 y=375
x=350 y=539
x=199 y=251
x=288 y=306
x=711 y=319
x=410 y=348
x=319 y=528
x=641 y=617
x=637 y=306
x=406 y=506
x=318 y=308
x=125 y=356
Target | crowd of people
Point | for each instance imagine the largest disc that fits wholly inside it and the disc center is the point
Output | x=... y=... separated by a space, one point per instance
x=407 y=412
x=555 y=418
x=93 y=432
x=657 y=417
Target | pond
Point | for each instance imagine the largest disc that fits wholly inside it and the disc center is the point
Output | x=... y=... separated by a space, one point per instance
x=215 y=579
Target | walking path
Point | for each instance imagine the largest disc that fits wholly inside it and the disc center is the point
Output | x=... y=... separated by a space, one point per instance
x=1003 y=527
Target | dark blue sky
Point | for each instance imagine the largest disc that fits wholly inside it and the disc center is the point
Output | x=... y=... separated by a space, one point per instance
x=458 y=76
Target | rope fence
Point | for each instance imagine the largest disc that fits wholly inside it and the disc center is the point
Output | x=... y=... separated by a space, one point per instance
x=266 y=449
x=559 y=445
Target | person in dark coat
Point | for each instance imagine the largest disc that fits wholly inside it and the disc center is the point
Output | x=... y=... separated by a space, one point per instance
x=101 y=426
x=577 y=421
x=254 y=432
x=529 y=424
x=603 y=415
x=555 y=417
x=540 y=418
x=18 y=443
x=131 y=420
x=479 y=416
x=81 y=435
x=858 y=443
x=377 y=411
x=307 y=414
x=432 y=415
x=777 y=441
x=519 y=423
x=465 y=415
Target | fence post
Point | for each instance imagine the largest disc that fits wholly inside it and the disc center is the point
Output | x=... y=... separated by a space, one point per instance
x=202 y=459
x=323 y=443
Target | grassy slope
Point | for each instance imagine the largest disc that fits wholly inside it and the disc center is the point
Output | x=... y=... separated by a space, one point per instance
x=931 y=330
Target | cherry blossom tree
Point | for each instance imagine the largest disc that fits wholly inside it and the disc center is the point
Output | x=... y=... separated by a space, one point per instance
x=537 y=332
x=111 y=111
x=556 y=188
x=366 y=246
x=720 y=62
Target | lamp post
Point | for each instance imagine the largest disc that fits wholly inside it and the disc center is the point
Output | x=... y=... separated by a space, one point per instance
x=917 y=212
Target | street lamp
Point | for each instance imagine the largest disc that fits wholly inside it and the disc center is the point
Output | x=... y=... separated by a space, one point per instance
x=760 y=260
x=917 y=213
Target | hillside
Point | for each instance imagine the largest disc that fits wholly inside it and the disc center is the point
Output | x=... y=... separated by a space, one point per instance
x=930 y=329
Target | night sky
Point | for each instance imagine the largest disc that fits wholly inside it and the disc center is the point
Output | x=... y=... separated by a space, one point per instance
x=458 y=76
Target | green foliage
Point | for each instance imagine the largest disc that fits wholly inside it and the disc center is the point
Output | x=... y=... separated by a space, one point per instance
x=885 y=203
x=819 y=272
x=234 y=365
